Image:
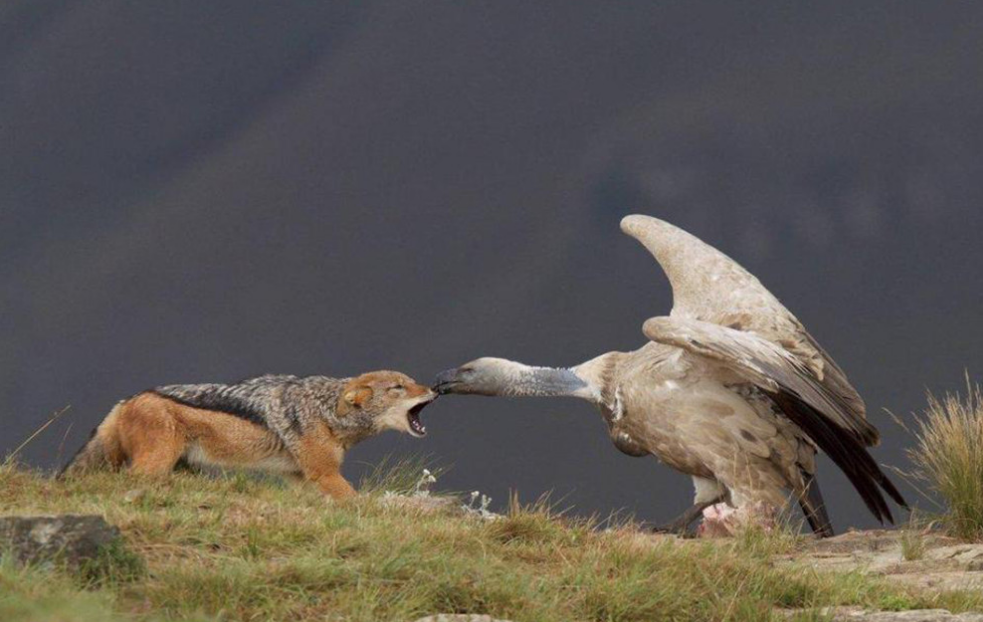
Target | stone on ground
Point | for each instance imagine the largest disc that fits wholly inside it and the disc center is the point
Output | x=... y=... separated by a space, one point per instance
x=71 y=539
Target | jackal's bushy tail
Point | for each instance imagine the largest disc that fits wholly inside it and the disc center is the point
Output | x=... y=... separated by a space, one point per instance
x=100 y=451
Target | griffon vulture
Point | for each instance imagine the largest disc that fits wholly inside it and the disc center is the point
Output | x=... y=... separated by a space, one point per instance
x=730 y=389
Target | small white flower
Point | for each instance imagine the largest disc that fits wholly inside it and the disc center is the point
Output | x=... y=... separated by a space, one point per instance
x=422 y=488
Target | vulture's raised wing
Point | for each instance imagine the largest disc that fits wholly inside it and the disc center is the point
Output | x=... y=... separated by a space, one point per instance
x=806 y=401
x=708 y=285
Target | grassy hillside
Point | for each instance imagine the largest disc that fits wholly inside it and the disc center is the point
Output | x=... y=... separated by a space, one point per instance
x=239 y=549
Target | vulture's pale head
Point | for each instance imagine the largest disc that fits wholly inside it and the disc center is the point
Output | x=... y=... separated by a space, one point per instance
x=484 y=376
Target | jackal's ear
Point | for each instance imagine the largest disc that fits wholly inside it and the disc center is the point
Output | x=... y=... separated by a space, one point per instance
x=358 y=396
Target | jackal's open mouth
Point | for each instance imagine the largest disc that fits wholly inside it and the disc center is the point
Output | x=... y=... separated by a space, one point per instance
x=413 y=416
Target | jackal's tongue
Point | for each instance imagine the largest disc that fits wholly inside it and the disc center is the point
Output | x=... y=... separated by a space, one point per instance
x=414 y=418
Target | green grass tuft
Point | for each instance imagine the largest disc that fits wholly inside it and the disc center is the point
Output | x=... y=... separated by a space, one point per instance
x=240 y=549
x=114 y=564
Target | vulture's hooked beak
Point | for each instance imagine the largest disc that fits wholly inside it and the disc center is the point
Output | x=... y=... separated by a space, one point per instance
x=446 y=381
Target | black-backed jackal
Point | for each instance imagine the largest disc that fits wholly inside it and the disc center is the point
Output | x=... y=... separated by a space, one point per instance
x=300 y=427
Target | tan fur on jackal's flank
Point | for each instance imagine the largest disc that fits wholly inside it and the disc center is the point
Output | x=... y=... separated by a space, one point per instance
x=300 y=427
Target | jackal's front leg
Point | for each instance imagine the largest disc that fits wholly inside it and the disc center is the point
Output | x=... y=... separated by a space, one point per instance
x=319 y=456
x=336 y=487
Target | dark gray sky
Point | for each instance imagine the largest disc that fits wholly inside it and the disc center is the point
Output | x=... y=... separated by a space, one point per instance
x=200 y=191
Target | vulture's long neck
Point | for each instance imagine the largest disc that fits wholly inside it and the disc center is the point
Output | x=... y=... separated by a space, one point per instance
x=529 y=381
x=591 y=381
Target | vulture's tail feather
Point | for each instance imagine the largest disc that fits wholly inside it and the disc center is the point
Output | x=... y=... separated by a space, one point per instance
x=847 y=451
x=814 y=508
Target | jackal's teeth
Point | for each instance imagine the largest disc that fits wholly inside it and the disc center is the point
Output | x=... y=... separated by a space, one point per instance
x=413 y=418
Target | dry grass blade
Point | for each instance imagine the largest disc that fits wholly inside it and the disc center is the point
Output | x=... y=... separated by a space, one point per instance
x=12 y=456
x=948 y=458
x=399 y=475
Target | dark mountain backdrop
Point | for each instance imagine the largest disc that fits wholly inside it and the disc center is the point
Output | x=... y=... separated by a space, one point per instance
x=203 y=191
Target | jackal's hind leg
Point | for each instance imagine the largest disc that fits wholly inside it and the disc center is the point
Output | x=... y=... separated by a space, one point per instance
x=157 y=457
x=151 y=437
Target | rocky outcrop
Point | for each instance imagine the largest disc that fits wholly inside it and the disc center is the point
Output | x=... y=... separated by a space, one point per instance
x=70 y=539
x=924 y=560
